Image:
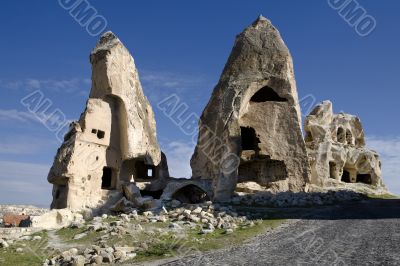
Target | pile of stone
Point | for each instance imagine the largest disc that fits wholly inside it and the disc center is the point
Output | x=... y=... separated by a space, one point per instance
x=209 y=216
x=132 y=199
x=7 y=242
x=301 y=199
x=95 y=255
x=22 y=209
x=206 y=218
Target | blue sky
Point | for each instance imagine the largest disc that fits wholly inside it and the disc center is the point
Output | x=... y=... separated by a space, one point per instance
x=181 y=47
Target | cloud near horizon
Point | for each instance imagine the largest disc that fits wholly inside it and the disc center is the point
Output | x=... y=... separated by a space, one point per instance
x=24 y=183
x=73 y=85
x=389 y=151
x=178 y=156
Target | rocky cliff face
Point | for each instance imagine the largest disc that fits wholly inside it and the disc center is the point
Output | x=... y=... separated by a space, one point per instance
x=250 y=129
x=114 y=140
x=337 y=150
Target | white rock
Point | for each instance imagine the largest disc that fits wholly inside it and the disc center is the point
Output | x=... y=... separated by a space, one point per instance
x=54 y=219
x=251 y=96
x=3 y=244
x=80 y=236
x=116 y=98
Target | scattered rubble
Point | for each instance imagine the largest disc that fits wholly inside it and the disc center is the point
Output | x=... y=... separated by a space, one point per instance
x=300 y=199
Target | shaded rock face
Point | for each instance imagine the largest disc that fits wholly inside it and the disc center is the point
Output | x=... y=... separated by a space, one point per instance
x=114 y=140
x=250 y=129
x=337 y=149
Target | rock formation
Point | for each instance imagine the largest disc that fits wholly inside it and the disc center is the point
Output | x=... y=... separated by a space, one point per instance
x=337 y=149
x=114 y=141
x=250 y=129
x=250 y=138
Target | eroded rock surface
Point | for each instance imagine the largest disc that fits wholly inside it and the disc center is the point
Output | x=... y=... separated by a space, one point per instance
x=337 y=150
x=114 y=142
x=250 y=129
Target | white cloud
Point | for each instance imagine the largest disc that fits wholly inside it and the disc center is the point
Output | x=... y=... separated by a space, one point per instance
x=389 y=150
x=13 y=114
x=73 y=85
x=24 y=183
x=178 y=155
x=159 y=85
x=51 y=120
x=24 y=145
x=168 y=80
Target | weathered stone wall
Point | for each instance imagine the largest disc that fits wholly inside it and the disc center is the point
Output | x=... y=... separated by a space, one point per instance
x=259 y=61
x=337 y=149
x=114 y=140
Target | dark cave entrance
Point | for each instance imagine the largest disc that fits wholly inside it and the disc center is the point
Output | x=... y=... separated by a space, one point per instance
x=267 y=94
x=364 y=178
x=191 y=194
x=346 y=176
x=249 y=139
x=107 y=181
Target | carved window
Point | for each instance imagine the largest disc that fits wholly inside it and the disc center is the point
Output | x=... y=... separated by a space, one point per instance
x=349 y=137
x=267 y=94
x=100 y=134
x=341 y=135
x=107 y=181
x=249 y=139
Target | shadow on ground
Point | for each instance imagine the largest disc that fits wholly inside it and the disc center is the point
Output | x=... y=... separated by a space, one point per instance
x=364 y=209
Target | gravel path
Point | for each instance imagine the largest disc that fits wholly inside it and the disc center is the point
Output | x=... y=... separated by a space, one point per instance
x=363 y=233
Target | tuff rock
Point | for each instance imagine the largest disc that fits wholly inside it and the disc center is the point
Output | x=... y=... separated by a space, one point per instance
x=337 y=150
x=114 y=142
x=250 y=129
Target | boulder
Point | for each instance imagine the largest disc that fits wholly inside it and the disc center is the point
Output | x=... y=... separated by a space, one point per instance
x=249 y=187
x=78 y=261
x=131 y=191
x=55 y=219
x=3 y=244
x=123 y=205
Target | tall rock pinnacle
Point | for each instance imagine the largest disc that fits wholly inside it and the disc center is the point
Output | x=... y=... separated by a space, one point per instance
x=253 y=114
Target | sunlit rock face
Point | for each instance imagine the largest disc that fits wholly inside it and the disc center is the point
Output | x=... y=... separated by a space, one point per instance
x=114 y=141
x=254 y=116
x=337 y=150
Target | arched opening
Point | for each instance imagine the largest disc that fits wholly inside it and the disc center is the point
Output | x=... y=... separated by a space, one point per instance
x=349 y=137
x=60 y=194
x=308 y=137
x=144 y=171
x=249 y=139
x=364 y=178
x=333 y=171
x=341 y=135
x=137 y=169
x=267 y=94
x=108 y=180
x=191 y=194
x=346 y=176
